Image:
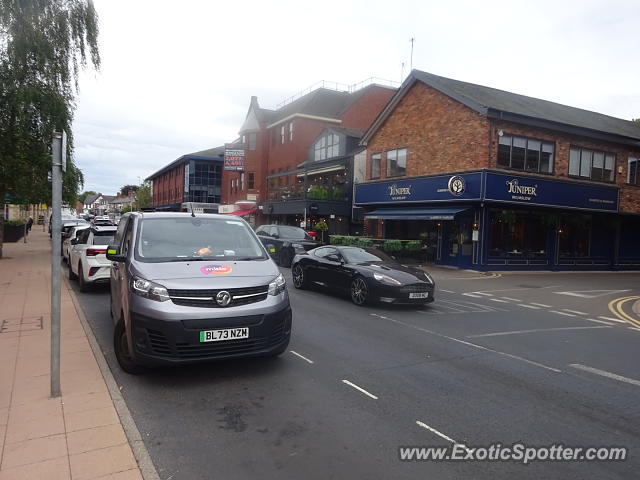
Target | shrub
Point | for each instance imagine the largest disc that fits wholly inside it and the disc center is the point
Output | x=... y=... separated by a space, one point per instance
x=364 y=242
x=350 y=240
x=336 y=240
x=392 y=246
x=413 y=246
x=14 y=223
x=337 y=194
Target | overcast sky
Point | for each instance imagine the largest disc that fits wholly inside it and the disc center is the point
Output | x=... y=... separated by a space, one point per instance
x=177 y=77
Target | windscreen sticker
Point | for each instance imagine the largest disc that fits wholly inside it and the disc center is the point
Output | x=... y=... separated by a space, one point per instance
x=215 y=269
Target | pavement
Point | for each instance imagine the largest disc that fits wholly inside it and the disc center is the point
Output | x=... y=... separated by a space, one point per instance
x=79 y=435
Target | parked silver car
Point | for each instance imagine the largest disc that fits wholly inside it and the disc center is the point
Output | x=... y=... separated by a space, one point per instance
x=188 y=288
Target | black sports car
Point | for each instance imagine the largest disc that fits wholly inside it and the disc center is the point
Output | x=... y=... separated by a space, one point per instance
x=367 y=274
x=283 y=242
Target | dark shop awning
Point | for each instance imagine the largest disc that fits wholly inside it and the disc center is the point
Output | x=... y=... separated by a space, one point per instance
x=413 y=213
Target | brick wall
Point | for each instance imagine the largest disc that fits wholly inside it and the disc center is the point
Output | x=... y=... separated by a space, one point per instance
x=361 y=113
x=629 y=194
x=168 y=187
x=441 y=135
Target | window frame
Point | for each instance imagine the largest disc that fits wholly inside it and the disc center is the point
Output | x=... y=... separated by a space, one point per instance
x=526 y=154
x=291 y=131
x=387 y=160
x=636 y=181
x=282 y=136
x=376 y=156
x=592 y=155
x=250 y=181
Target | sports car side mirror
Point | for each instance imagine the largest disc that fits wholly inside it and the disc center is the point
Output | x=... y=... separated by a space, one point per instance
x=335 y=258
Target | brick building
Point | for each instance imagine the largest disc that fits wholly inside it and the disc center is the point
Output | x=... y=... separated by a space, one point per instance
x=490 y=179
x=290 y=168
x=194 y=177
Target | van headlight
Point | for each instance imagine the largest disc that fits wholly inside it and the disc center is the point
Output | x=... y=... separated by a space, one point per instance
x=385 y=279
x=277 y=286
x=148 y=289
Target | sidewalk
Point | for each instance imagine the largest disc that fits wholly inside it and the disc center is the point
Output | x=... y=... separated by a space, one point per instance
x=78 y=436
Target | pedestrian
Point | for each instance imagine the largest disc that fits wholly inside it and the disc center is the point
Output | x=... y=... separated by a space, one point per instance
x=29 y=225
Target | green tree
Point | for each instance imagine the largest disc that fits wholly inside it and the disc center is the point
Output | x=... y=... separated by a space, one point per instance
x=84 y=195
x=143 y=196
x=637 y=120
x=128 y=189
x=43 y=46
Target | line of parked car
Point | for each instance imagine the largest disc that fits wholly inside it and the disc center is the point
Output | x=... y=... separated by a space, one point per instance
x=188 y=288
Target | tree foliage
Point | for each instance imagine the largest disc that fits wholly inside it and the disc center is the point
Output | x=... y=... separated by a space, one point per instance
x=43 y=46
x=85 y=194
x=127 y=189
x=143 y=196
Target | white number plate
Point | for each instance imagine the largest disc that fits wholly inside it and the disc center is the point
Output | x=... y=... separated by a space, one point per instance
x=227 y=334
x=419 y=295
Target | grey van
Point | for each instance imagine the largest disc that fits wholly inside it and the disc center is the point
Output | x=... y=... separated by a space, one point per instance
x=190 y=288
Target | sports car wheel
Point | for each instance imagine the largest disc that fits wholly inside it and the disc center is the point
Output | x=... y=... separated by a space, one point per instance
x=299 y=277
x=359 y=291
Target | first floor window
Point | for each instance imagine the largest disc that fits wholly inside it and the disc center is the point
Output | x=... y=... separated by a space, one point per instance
x=525 y=154
x=397 y=162
x=291 y=131
x=250 y=181
x=242 y=181
x=252 y=141
x=375 y=166
x=633 y=172
x=591 y=164
x=282 y=134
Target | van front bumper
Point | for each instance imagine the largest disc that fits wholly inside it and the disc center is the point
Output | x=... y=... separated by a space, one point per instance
x=163 y=341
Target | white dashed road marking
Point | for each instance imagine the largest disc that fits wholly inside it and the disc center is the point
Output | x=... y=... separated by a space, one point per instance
x=301 y=356
x=512 y=299
x=613 y=319
x=528 y=306
x=604 y=373
x=440 y=434
x=362 y=390
x=474 y=345
x=562 y=313
x=498 y=300
x=448 y=291
x=541 y=305
x=599 y=321
x=472 y=295
x=574 y=311
x=484 y=293
x=518 y=332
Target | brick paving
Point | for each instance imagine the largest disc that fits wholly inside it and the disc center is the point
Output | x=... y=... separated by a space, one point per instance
x=77 y=436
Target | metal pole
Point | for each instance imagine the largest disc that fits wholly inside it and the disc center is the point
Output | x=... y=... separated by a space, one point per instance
x=412 y=40
x=56 y=239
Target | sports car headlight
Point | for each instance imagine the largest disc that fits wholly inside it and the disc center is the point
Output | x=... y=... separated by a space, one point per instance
x=277 y=286
x=148 y=289
x=385 y=279
x=429 y=278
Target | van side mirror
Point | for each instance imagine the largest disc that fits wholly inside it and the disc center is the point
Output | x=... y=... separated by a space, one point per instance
x=113 y=254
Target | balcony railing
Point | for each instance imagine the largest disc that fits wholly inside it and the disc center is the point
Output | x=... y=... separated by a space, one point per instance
x=332 y=193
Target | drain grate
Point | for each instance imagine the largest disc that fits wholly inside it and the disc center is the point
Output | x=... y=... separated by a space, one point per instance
x=21 y=324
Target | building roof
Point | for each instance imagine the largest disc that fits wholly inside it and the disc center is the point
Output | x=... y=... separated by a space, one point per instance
x=215 y=153
x=321 y=102
x=496 y=103
x=92 y=198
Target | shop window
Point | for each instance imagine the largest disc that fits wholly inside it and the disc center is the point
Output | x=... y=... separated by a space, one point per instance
x=282 y=134
x=253 y=137
x=397 y=162
x=591 y=164
x=291 y=131
x=375 y=166
x=519 y=234
x=527 y=154
x=250 y=181
x=633 y=172
x=575 y=236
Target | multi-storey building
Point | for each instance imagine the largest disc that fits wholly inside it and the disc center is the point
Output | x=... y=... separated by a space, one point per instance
x=194 y=177
x=490 y=179
x=298 y=158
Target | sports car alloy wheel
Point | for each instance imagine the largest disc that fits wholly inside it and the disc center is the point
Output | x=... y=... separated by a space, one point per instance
x=298 y=277
x=359 y=291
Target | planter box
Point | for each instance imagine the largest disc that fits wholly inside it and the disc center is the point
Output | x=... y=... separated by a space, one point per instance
x=13 y=233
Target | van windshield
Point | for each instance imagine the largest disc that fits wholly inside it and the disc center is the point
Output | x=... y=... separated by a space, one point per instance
x=196 y=238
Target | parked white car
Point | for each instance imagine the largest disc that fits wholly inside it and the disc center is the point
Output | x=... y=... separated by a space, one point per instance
x=66 y=243
x=88 y=256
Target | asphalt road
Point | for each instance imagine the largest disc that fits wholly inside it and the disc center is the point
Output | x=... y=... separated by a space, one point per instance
x=535 y=358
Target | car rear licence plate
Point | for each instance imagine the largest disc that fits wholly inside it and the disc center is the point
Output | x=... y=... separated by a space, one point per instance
x=227 y=334
x=419 y=295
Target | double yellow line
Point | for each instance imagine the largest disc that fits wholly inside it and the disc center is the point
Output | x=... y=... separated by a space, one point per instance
x=615 y=307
